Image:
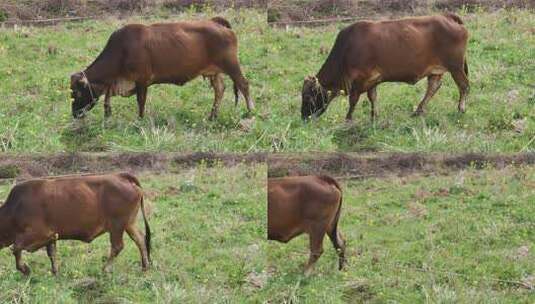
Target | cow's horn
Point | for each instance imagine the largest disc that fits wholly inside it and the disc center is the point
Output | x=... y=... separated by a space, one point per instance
x=317 y=82
x=84 y=81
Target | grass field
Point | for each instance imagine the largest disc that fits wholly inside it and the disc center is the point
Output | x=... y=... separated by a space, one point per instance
x=35 y=64
x=500 y=55
x=463 y=238
x=208 y=242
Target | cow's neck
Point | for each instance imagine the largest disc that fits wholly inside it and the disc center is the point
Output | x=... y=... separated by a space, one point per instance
x=95 y=76
x=98 y=84
x=331 y=76
x=102 y=72
x=6 y=227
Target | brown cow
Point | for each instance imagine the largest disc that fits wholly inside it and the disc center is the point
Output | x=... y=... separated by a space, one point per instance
x=39 y=212
x=137 y=56
x=366 y=54
x=306 y=204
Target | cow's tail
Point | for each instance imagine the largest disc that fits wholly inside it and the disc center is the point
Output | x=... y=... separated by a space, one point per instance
x=333 y=182
x=222 y=21
x=465 y=66
x=147 y=229
x=454 y=17
x=134 y=180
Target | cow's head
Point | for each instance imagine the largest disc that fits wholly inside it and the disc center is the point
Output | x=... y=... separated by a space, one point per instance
x=85 y=94
x=315 y=98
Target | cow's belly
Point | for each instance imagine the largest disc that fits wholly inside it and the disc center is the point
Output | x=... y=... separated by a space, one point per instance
x=180 y=72
x=123 y=87
x=82 y=235
x=413 y=76
x=283 y=233
x=82 y=230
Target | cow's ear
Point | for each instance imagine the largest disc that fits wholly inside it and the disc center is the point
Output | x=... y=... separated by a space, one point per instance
x=83 y=81
x=78 y=78
x=75 y=78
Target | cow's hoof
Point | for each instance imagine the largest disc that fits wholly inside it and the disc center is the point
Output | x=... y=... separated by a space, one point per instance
x=417 y=113
x=25 y=270
x=107 y=269
x=307 y=272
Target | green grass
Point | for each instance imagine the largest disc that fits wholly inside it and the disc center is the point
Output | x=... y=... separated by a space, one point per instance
x=35 y=113
x=418 y=239
x=500 y=55
x=208 y=229
x=440 y=239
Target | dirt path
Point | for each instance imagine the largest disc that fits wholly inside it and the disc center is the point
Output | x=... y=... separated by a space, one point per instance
x=355 y=166
x=344 y=165
x=30 y=166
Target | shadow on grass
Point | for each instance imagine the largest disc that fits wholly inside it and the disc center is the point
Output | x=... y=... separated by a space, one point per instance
x=88 y=290
x=83 y=136
x=355 y=138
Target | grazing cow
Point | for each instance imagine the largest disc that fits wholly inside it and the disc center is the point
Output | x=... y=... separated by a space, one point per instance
x=306 y=204
x=39 y=212
x=137 y=56
x=366 y=54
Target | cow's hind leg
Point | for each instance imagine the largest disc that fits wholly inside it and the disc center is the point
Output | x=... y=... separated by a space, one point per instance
x=117 y=245
x=219 y=89
x=137 y=237
x=107 y=104
x=353 y=100
x=232 y=68
x=461 y=79
x=51 y=252
x=433 y=84
x=372 y=96
x=316 y=249
x=141 y=94
x=339 y=245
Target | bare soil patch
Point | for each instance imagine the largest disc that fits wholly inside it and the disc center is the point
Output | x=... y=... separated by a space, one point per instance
x=350 y=166
x=356 y=166
x=26 y=167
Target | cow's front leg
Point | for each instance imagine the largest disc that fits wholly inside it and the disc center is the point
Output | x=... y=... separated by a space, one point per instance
x=21 y=266
x=219 y=89
x=353 y=100
x=107 y=105
x=51 y=252
x=141 y=94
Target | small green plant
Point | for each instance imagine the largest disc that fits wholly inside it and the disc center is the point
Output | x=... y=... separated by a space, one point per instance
x=9 y=171
x=3 y=15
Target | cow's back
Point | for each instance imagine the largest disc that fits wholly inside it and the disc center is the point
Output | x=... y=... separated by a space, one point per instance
x=75 y=207
x=404 y=49
x=295 y=203
x=174 y=52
